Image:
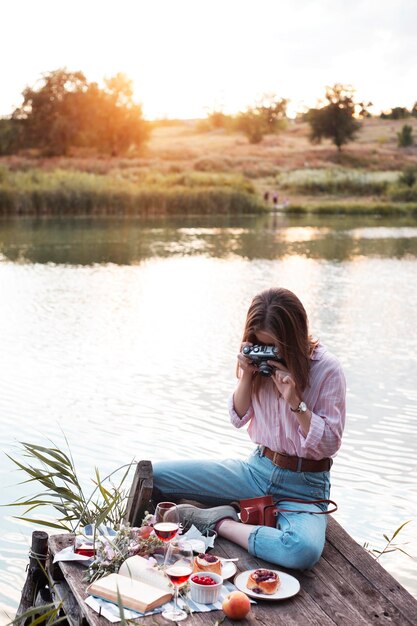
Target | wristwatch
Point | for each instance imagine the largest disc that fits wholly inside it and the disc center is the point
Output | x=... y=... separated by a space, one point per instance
x=302 y=408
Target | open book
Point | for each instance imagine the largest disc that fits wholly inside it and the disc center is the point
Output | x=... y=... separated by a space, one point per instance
x=140 y=586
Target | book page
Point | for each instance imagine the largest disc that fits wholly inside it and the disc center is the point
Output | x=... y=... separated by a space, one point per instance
x=137 y=567
x=135 y=594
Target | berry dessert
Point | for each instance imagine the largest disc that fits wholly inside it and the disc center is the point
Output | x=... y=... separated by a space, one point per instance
x=206 y=581
x=207 y=563
x=263 y=581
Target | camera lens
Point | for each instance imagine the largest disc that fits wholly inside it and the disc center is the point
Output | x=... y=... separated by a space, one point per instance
x=265 y=369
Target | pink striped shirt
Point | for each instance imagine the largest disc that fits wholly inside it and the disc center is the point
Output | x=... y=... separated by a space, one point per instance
x=273 y=424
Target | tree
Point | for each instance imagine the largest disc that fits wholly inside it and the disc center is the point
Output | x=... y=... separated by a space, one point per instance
x=264 y=118
x=405 y=136
x=364 y=109
x=50 y=113
x=115 y=121
x=396 y=113
x=336 y=119
x=10 y=135
x=273 y=112
x=65 y=111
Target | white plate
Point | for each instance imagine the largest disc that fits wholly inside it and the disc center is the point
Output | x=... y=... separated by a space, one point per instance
x=229 y=569
x=289 y=586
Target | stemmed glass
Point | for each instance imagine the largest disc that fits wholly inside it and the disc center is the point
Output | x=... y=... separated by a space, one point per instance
x=179 y=562
x=166 y=522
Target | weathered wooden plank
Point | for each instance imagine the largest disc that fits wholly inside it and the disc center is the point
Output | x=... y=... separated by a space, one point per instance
x=301 y=609
x=350 y=582
x=73 y=574
x=372 y=571
x=63 y=595
x=140 y=493
x=36 y=578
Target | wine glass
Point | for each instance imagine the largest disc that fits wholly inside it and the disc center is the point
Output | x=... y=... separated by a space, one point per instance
x=166 y=522
x=179 y=563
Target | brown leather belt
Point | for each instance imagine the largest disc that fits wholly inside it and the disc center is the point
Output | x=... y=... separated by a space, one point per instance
x=296 y=463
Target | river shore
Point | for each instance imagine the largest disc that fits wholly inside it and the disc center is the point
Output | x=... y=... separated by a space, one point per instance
x=184 y=170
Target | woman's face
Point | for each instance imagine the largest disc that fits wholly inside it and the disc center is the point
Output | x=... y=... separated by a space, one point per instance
x=265 y=338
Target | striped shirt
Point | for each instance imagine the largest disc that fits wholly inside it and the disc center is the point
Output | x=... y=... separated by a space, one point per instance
x=273 y=424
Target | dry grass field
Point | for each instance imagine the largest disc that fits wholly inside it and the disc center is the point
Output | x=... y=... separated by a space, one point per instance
x=181 y=155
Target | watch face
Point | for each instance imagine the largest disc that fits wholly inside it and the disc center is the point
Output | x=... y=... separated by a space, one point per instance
x=302 y=407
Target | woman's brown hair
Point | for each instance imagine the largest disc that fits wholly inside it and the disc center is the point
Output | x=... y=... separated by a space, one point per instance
x=281 y=314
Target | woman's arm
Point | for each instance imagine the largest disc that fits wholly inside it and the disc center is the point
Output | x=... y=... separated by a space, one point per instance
x=328 y=417
x=242 y=397
x=240 y=405
x=321 y=426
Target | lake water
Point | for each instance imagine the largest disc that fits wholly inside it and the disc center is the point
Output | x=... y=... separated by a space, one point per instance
x=121 y=335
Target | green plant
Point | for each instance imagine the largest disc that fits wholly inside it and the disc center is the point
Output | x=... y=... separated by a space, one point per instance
x=336 y=181
x=390 y=545
x=408 y=176
x=268 y=116
x=55 y=471
x=405 y=136
x=45 y=615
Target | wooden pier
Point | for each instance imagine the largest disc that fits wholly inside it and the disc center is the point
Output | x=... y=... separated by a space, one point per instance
x=347 y=587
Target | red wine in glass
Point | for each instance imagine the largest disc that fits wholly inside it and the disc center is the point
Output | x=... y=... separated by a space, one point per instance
x=166 y=531
x=179 y=574
x=84 y=547
x=179 y=563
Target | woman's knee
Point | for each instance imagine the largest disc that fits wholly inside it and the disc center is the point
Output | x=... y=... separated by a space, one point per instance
x=287 y=549
x=306 y=556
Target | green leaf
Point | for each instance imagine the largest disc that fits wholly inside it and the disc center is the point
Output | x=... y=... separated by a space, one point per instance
x=44 y=523
x=106 y=494
x=121 y=609
x=55 y=452
x=58 y=467
x=399 y=529
x=47 y=610
x=406 y=553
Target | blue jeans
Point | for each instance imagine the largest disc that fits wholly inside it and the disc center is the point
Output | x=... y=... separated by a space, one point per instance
x=298 y=539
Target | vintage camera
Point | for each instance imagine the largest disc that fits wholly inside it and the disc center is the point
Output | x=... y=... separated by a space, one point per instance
x=259 y=511
x=259 y=355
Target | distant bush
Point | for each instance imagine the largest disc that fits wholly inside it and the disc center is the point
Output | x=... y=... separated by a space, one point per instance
x=408 y=176
x=396 y=113
x=267 y=117
x=402 y=193
x=211 y=164
x=405 y=189
x=216 y=120
x=405 y=136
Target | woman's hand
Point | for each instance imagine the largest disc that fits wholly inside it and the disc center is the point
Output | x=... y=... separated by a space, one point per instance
x=244 y=363
x=285 y=383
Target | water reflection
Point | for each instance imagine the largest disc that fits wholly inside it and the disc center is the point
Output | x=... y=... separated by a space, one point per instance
x=128 y=241
x=122 y=334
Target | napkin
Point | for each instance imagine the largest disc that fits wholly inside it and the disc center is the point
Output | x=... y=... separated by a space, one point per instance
x=199 y=542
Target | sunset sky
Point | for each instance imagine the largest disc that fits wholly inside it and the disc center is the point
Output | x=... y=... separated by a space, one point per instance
x=188 y=56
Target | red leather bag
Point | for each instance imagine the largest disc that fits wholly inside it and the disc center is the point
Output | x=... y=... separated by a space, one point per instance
x=263 y=511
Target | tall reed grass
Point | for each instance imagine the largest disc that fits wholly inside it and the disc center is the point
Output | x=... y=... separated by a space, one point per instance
x=336 y=181
x=139 y=192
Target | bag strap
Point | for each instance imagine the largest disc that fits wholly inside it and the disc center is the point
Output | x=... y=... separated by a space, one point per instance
x=332 y=502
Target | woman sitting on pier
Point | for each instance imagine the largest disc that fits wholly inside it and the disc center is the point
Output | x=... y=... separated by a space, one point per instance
x=296 y=418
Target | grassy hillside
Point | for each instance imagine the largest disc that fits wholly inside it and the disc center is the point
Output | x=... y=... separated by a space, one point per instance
x=185 y=170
